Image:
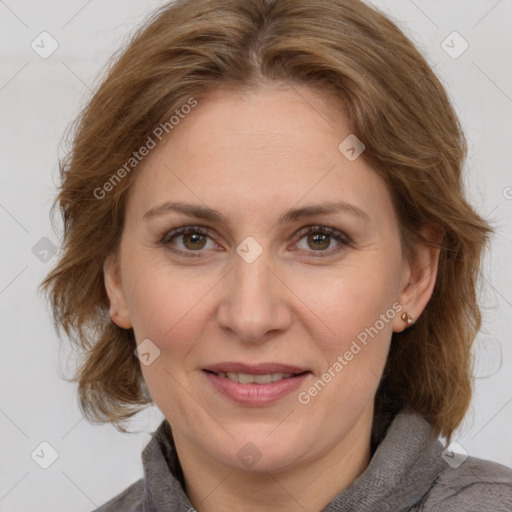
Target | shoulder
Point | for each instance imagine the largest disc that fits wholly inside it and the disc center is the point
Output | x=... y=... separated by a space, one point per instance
x=476 y=485
x=130 y=500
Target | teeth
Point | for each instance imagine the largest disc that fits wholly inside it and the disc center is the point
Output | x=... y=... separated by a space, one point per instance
x=263 y=379
x=246 y=378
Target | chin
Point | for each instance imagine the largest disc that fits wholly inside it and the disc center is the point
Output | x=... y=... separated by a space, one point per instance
x=261 y=448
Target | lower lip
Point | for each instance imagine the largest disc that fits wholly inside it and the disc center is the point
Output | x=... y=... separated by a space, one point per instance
x=255 y=394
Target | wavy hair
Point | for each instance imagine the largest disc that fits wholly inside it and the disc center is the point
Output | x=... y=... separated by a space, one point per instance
x=396 y=105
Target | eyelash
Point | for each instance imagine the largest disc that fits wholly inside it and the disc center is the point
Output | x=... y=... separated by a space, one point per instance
x=308 y=230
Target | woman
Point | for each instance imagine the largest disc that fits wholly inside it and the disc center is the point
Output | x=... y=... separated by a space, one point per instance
x=266 y=236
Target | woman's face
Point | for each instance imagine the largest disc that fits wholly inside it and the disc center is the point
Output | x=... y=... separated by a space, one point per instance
x=254 y=294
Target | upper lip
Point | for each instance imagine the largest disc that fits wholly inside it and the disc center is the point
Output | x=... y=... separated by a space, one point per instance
x=254 y=369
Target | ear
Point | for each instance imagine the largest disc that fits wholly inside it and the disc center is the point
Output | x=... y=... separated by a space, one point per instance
x=115 y=291
x=419 y=278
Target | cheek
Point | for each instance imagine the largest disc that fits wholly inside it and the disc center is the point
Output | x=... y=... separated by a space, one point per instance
x=160 y=298
x=353 y=299
x=357 y=308
x=170 y=311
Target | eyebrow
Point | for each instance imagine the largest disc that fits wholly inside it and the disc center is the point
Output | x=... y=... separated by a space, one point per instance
x=203 y=212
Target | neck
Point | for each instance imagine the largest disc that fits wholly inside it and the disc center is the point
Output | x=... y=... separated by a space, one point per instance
x=211 y=485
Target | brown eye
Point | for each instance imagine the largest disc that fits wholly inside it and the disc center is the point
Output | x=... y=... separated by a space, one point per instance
x=319 y=241
x=187 y=240
x=194 y=241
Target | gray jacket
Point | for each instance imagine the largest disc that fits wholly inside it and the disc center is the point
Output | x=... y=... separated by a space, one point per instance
x=407 y=473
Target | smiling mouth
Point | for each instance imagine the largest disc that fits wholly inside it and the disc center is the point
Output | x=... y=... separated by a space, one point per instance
x=247 y=378
x=255 y=385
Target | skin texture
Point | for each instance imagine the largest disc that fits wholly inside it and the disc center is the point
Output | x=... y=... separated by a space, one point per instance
x=252 y=156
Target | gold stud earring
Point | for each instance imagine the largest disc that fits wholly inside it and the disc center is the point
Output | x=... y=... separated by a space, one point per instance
x=407 y=318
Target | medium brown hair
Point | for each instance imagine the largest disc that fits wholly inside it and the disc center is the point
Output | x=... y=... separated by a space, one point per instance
x=396 y=106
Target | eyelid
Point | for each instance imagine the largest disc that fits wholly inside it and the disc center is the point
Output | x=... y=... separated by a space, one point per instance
x=314 y=228
x=343 y=239
x=168 y=235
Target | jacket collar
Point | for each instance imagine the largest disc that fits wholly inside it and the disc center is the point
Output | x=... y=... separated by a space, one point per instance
x=402 y=469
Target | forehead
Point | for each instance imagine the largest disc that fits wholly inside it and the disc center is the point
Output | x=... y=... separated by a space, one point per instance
x=256 y=151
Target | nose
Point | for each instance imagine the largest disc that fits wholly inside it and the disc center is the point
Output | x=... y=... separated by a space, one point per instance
x=254 y=305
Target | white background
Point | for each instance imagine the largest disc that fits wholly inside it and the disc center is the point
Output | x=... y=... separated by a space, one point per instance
x=40 y=97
